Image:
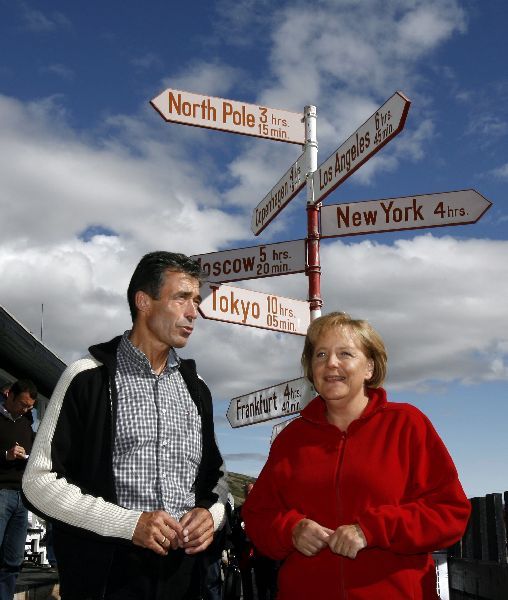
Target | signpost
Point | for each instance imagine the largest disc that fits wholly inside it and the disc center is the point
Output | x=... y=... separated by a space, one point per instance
x=409 y=212
x=199 y=110
x=267 y=311
x=269 y=260
x=255 y=309
x=368 y=139
x=273 y=402
x=279 y=196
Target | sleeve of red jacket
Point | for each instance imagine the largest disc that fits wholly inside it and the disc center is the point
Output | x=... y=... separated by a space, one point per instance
x=268 y=521
x=435 y=512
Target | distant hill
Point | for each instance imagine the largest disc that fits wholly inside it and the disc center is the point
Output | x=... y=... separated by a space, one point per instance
x=236 y=482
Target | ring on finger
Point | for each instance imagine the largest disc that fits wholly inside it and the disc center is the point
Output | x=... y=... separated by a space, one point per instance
x=163 y=540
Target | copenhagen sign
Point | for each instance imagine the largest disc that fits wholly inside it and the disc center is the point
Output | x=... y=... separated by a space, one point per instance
x=199 y=110
x=269 y=403
x=409 y=212
x=279 y=196
x=255 y=309
x=376 y=132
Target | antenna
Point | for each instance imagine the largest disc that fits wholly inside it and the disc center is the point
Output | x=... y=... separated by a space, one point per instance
x=42 y=319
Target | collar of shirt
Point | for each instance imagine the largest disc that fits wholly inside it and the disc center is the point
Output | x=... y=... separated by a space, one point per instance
x=138 y=359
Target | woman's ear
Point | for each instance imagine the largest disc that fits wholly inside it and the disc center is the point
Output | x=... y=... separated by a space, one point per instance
x=370 y=369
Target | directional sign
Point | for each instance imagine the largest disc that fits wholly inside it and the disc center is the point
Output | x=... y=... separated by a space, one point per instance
x=282 y=258
x=279 y=400
x=377 y=131
x=276 y=429
x=245 y=307
x=279 y=196
x=187 y=108
x=409 y=212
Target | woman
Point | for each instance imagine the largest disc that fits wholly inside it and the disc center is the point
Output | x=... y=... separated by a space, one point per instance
x=357 y=491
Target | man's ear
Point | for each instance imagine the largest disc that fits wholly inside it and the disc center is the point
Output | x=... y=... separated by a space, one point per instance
x=143 y=301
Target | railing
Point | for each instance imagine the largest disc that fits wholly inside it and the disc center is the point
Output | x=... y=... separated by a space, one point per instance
x=478 y=564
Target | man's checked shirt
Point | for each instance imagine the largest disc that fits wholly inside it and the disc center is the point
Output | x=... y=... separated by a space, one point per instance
x=158 y=441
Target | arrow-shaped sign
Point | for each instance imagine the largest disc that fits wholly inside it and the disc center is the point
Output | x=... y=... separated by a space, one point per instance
x=410 y=212
x=273 y=402
x=282 y=258
x=368 y=139
x=255 y=309
x=276 y=429
x=188 y=108
x=279 y=196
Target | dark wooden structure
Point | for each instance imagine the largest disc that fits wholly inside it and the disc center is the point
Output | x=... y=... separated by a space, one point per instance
x=478 y=564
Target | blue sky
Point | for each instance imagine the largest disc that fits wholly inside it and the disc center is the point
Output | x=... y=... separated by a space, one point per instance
x=91 y=178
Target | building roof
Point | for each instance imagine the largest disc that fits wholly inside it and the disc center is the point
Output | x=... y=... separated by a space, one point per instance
x=23 y=356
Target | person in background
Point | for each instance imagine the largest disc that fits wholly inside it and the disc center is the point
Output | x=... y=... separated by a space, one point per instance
x=16 y=438
x=212 y=575
x=357 y=491
x=242 y=547
x=125 y=463
x=251 y=561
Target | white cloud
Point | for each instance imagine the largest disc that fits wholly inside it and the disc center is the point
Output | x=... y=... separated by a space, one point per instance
x=438 y=302
x=147 y=61
x=489 y=126
x=59 y=70
x=501 y=172
x=347 y=58
x=39 y=22
x=56 y=184
x=429 y=24
x=202 y=77
x=154 y=197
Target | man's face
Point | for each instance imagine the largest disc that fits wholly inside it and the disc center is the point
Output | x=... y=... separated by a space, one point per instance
x=170 y=319
x=20 y=404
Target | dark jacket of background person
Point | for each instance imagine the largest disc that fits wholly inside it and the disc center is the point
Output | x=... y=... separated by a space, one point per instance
x=82 y=412
x=390 y=473
x=11 y=433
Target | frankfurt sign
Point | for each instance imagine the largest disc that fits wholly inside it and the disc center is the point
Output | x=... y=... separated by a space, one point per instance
x=273 y=402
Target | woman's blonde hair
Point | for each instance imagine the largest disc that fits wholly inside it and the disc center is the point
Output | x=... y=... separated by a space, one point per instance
x=370 y=341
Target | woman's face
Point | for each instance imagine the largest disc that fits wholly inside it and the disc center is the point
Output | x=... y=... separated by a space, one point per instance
x=339 y=367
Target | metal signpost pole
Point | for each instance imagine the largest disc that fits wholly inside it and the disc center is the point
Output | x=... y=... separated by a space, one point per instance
x=313 y=267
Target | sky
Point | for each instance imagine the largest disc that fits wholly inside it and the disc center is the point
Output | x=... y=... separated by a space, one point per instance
x=92 y=178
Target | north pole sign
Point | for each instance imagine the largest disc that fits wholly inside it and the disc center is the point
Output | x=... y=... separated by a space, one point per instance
x=187 y=108
x=378 y=130
x=273 y=402
x=269 y=260
x=409 y=212
x=255 y=309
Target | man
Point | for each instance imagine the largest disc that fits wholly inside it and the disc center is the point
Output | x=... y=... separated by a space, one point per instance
x=125 y=462
x=16 y=437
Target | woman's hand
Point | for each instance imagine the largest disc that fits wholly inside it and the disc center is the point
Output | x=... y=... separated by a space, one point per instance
x=347 y=540
x=310 y=537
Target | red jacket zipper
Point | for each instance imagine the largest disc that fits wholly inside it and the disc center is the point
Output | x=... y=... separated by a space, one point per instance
x=342 y=446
